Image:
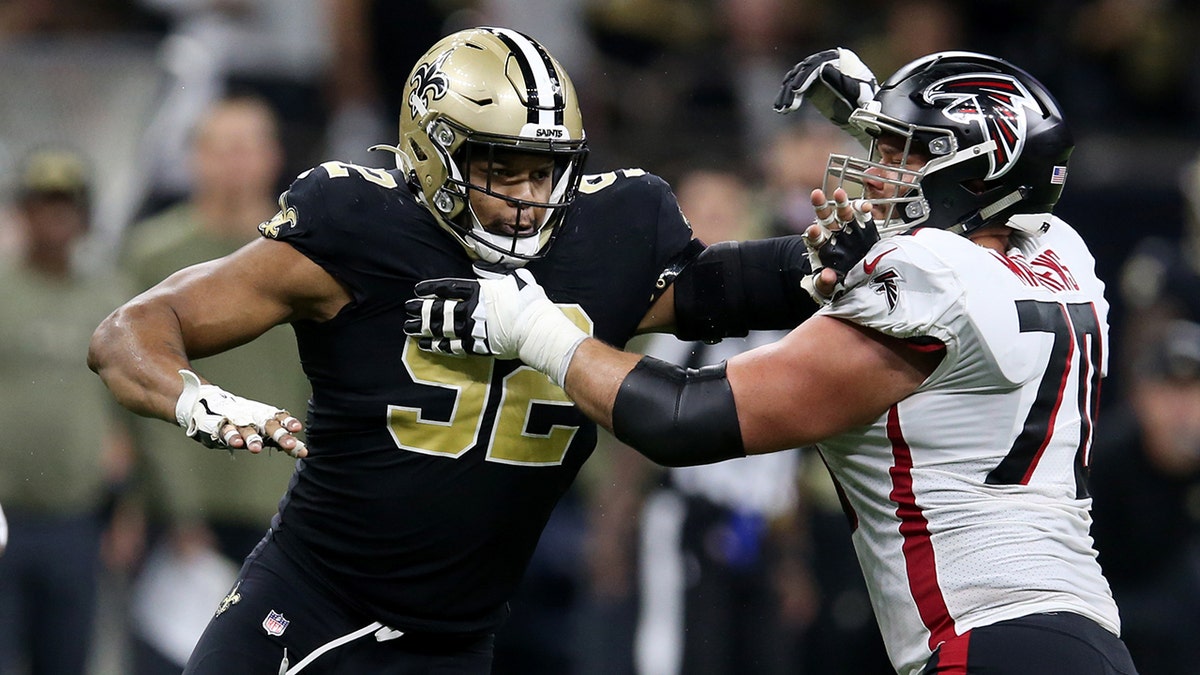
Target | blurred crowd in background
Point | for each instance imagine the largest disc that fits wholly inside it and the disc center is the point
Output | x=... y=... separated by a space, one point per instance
x=141 y=136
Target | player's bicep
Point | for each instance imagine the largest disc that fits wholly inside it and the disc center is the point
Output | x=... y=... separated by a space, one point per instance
x=226 y=302
x=825 y=377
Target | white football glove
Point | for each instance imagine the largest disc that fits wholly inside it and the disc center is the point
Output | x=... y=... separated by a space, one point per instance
x=508 y=318
x=835 y=81
x=203 y=409
x=3 y=532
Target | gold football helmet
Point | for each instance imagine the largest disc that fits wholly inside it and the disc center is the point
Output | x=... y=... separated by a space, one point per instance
x=477 y=92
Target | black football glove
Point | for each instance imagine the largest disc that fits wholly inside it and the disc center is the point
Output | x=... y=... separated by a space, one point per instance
x=447 y=317
x=507 y=317
x=835 y=81
x=840 y=250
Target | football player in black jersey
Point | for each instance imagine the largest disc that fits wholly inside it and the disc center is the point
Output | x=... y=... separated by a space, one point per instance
x=426 y=479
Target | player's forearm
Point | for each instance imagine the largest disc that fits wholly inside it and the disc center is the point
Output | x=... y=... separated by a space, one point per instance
x=138 y=352
x=594 y=386
x=734 y=287
x=672 y=415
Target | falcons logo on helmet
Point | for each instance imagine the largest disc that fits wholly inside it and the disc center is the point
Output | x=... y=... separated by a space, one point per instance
x=996 y=104
x=429 y=84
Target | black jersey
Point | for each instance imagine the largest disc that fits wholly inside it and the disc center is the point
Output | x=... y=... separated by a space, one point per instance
x=429 y=477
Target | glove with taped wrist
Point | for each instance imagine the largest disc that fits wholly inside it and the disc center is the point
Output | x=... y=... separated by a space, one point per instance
x=508 y=318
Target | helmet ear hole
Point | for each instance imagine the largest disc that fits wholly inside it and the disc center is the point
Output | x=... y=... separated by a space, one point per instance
x=975 y=186
x=417 y=151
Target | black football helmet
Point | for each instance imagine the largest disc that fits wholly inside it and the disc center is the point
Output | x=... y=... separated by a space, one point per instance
x=995 y=139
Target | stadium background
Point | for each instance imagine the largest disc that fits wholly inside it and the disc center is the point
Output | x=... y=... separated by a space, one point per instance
x=667 y=85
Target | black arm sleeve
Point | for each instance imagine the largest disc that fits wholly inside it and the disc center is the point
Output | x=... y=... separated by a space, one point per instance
x=678 y=416
x=734 y=287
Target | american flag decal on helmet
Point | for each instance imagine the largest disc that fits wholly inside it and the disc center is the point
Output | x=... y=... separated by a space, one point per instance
x=1058 y=175
x=996 y=103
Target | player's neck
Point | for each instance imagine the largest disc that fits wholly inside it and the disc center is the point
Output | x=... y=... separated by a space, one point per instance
x=994 y=237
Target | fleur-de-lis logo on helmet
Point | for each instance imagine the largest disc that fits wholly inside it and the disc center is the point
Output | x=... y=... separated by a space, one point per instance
x=996 y=104
x=429 y=84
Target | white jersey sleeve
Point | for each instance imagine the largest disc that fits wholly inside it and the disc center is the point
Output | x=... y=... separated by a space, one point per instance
x=969 y=497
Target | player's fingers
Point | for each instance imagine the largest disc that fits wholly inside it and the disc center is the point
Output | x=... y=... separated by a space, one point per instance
x=842 y=205
x=862 y=210
x=281 y=432
x=437 y=345
x=286 y=421
x=826 y=282
x=823 y=208
x=419 y=313
x=230 y=436
x=448 y=321
x=413 y=328
x=458 y=289
x=816 y=235
x=251 y=439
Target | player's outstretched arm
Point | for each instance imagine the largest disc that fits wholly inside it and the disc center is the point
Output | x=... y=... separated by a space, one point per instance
x=783 y=395
x=727 y=290
x=140 y=349
x=733 y=287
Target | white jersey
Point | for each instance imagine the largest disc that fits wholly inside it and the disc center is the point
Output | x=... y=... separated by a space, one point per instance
x=968 y=498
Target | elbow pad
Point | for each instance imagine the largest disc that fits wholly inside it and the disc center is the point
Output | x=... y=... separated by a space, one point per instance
x=678 y=416
x=734 y=287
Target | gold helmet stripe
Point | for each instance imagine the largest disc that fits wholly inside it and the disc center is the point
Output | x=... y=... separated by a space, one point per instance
x=545 y=93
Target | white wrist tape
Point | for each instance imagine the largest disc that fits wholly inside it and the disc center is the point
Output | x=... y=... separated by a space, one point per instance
x=202 y=409
x=550 y=340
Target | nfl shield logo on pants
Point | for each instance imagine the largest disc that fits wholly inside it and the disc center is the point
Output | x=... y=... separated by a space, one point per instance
x=274 y=624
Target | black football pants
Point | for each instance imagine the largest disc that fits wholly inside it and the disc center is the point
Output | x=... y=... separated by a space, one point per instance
x=1040 y=644
x=276 y=607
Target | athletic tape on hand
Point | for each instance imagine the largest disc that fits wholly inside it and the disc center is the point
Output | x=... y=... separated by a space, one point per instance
x=203 y=409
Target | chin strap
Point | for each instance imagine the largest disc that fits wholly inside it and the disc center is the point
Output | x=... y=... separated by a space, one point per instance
x=493 y=270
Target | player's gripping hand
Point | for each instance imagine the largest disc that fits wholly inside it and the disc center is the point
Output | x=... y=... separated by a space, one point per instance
x=840 y=236
x=509 y=317
x=835 y=81
x=218 y=419
x=447 y=317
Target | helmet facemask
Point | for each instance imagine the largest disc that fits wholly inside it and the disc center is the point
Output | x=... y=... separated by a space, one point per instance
x=528 y=245
x=908 y=206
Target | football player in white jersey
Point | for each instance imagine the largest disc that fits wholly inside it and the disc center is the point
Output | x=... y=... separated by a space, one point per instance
x=951 y=385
